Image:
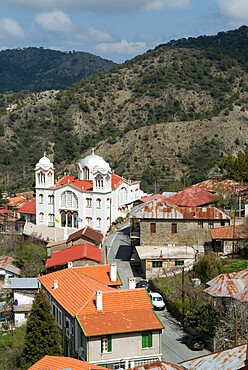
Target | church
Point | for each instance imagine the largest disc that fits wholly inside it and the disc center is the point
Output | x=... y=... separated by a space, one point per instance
x=96 y=197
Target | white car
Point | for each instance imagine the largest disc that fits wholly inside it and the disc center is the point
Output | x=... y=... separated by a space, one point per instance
x=157 y=301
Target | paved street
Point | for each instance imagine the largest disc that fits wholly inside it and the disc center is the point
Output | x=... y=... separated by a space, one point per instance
x=119 y=251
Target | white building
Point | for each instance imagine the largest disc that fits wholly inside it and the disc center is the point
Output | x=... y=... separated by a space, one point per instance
x=95 y=198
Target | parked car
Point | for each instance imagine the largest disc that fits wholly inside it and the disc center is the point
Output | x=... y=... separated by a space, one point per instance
x=194 y=343
x=142 y=284
x=157 y=301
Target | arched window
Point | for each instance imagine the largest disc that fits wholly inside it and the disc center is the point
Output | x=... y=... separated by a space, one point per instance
x=69 y=219
x=69 y=200
x=123 y=196
x=41 y=199
x=41 y=215
x=98 y=203
x=88 y=202
x=51 y=217
x=49 y=178
x=89 y=221
x=108 y=202
x=99 y=181
x=86 y=173
x=50 y=199
x=98 y=222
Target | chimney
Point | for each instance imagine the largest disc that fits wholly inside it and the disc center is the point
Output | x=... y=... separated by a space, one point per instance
x=131 y=283
x=113 y=272
x=69 y=265
x=99 y=300
x=55 y=284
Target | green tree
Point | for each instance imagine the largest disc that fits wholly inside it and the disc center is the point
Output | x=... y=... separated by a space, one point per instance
x=208 y=266
x=42 y=336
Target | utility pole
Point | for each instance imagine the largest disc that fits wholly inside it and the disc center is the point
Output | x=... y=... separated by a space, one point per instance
x=236 y=332
x=233 y=233
x=183 y=296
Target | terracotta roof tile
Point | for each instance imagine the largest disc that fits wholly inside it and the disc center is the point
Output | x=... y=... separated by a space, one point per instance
x=75 y=182
x=226 y=232
x=58 y=363
x=74 y=253
x=88 y=233
x=29 y=207
x=146 y=199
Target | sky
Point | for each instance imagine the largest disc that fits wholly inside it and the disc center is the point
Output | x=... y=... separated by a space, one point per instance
x=113 y=29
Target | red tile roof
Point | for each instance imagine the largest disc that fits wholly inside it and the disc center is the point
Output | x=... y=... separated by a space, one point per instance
x=75 y=182
x=146 y=199
x=161 y=209
x=58 y=363
x=7 y=263
x=226 y=232
x=116 y=180
x=74 y=253
x=123 y=310
x=192 y=197
x=16 y=201
x=4 y=211
x=29 y=207
x=88 y=233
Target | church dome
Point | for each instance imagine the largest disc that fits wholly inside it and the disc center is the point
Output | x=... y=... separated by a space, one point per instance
x=95 y=163
x=44 y=161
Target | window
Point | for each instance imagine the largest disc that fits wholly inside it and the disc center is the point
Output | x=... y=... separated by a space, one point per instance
x=200 y=224
x=41 y=198
x=69 y=200
x=99 y=181
x=147 y=339
x=173 y=228
x=51 y=199
x=98 y=222
x=41 y=217
x=108 y=202
x=179 y=263
x=156 y=264
x=49 y=178
x=211 y=224
x=106 y=344
x=152 y=228
x=88 y=202
x=222 y=223
x=86 y=173
x=123 y=196
x=51 y=217
x=89 y=221
x=57 y=315
x=98 y=203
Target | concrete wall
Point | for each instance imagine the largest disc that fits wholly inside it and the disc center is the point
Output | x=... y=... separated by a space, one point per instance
x=125 y=345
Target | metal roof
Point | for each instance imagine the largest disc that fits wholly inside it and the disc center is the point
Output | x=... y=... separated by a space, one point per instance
x=155 y=252
x=229 y=285
x=192 y=197
x=6 y=263
x=161 y=209
x=159 y=365
x=230 y=359
x=24 y=283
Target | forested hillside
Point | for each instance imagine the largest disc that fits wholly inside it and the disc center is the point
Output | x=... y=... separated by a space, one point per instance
x=165 y=117
x=37 y=69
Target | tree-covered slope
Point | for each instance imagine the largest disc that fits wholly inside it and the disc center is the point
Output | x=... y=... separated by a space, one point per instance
x=38 y=69
x=165 y=116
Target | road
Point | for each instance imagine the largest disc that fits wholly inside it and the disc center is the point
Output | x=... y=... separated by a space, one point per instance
x=119 y=251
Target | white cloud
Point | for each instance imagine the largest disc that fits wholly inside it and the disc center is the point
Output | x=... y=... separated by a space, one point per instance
x=10 y=29
x=100 y=5
x=235 y=10
x=122 y=47
x=54 y=21
x=99 y=35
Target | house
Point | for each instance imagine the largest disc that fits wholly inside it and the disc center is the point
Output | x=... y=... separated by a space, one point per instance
x=172 y=234
x=96 y=197
x=235 y=358
x=23 y=291
x=59 y=362
x=28 y=211
x=8 y=270
x=192 y=197
x=225 y=288
x=116 y=328
x=230 y=239
x=79 y=255
x=86 y=235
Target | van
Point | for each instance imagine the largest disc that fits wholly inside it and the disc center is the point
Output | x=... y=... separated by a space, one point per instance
x=157 y=301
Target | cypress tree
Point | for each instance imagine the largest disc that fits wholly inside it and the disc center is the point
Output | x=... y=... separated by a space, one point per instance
x=42 y=335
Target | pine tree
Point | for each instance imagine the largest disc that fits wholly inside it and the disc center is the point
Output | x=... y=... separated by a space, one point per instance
x=42 y=335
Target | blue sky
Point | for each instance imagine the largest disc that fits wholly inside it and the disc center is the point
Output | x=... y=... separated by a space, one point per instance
x=113 y=29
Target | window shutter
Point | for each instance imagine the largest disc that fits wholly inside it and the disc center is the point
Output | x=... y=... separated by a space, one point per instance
x=173 y=228
x=153 y=228
x=102 y=344
x=109 y=343
x=150 y=339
